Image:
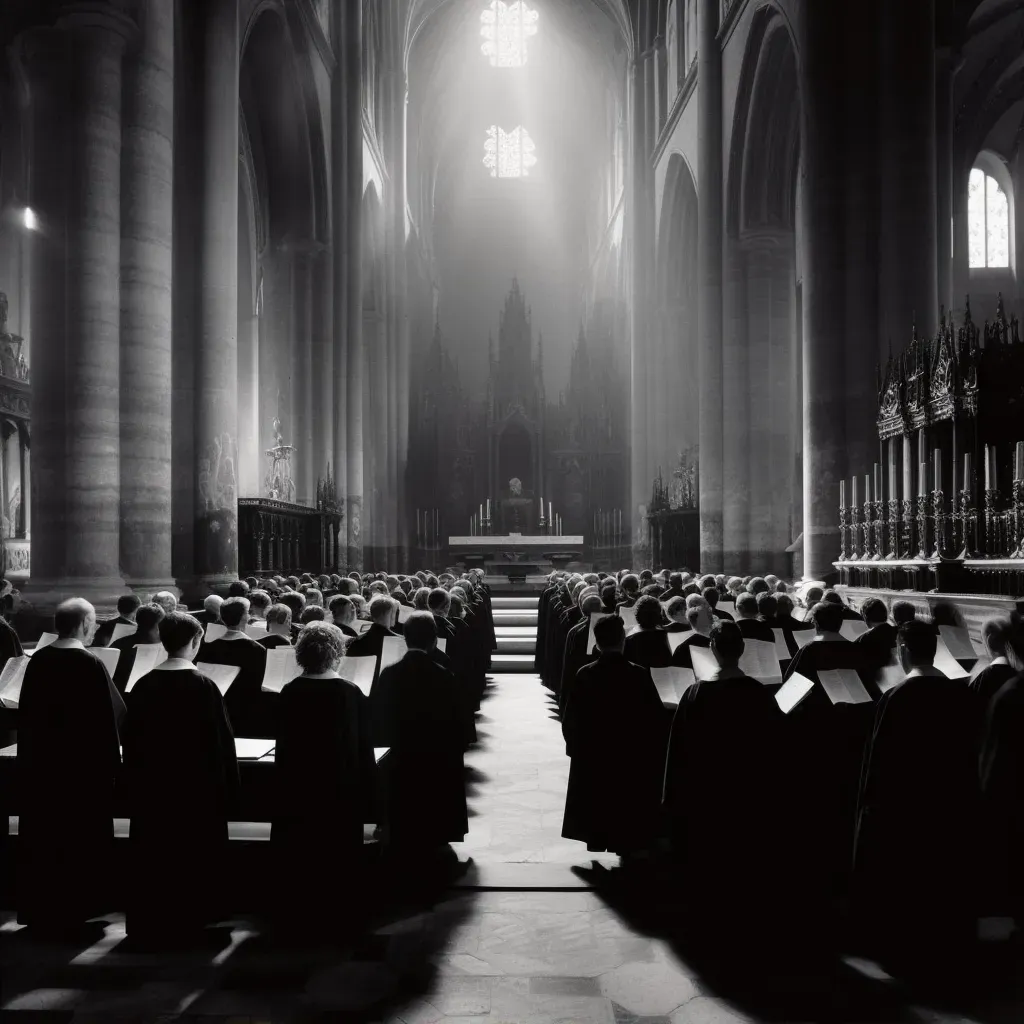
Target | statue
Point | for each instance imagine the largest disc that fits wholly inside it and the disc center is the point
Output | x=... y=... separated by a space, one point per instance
x=278 y=482
x=515 y=486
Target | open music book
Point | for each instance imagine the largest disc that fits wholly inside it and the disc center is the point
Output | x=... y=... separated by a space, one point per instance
x=222 y=675
x=281 y=668
x=792 y=692
x=147 y=657
x=843 y=686
x=672 y=682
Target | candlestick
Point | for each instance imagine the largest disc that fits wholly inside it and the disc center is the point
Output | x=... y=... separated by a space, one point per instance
x=892 y=472
x=908 y=480
x=488 y=508
x=842 y=494
x=878 y=482
x=1018 y=463
x=937 y=459
x=922 y=479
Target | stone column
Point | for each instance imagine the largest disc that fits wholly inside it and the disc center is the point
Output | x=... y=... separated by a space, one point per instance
x=824 y=338
x=325 y=396
x=944 y=71
x=75 y=75
x=216 y=550
x=709 y=291
x=782 y=396
x=302 y=372
x=146 y=275
x=735 y=429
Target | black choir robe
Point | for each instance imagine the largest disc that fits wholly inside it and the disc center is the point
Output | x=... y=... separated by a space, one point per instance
x=10 y=647
x=755 y=629
x=1002 y=793
x=417 y=712
x=575 y=658
x=324 y=791
x=722 y=794
x=180 y=777
x=126 y=662
x=990 y=680
x=105 y=630
x=880 y=641
x=649 y=648
x=543 y=609
x=273 y=640
x=68 y=759
x=720 y=613
x=681 y=655
x=250 y=711
x=615 y=733
x=915 y=866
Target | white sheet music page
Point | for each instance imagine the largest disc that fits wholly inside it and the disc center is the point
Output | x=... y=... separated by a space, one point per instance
x=110 y=656
x=11 y=679
x=147 y=657
x=214 y=631
x=803 y=637
x=122 y=629
x=792 y=691
x=843 y=686
x=672 y=682
x=281 y=668
x=705 y=664
x=222 y=675
x=675 y=639
x=781 y=647
x=591 y=642
x=393 y=651
x=853 y=628
x=946 y=663
x=628 y=617
x=760 y=662
x=958 y=643
x=360 y=671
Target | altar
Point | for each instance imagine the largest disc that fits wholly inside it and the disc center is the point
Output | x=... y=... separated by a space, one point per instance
x=516 y=553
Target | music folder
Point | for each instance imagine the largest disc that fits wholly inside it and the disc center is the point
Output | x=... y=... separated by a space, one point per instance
x=792 y=692
x=11 y=679
x=843 y=686
x=672 y=682
x=147 y=657
x=281 y=668
x=360 y=671
x=222 y=675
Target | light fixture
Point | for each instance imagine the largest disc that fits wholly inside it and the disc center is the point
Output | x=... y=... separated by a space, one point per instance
x=29 y=218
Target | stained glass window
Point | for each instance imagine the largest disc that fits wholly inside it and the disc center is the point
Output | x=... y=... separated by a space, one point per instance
x=988 y=221
x=508 y=154
x=505 y=28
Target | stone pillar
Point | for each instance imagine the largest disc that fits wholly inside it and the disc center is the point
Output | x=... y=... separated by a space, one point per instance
x=709 y=291
x=782 y=397
x=324 y=395
x=76 y=85
x=944 y=72
x=824 y=338
x=735 y=425
x=146 y=275
x=216 y=354
x=302 y=372
x=347 y=154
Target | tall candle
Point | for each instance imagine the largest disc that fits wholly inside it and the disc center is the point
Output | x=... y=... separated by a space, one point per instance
x=908 y=480
x=550 y=519
x=481 y=513
x=967 y=471
x=842 y=494
x=1018 y=471
x=922 y=479
x=878 y=482
x=488 y=508
x=867 y=488
x=853 y=495
x=892 y=472
x=938 y=469
x=541 y=512
x=988 y=471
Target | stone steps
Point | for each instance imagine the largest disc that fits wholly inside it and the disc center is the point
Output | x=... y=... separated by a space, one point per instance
x=515 y=629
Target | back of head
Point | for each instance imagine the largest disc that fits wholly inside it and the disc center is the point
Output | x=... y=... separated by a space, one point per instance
x=279 y=615
x=591 y=578
x=648 y=612
x=166 y=600
x=259 y=602
x=320 y=647
x=178 y=630
x=676 y=609
x=784 y=603
x=781 y=587
x=314 y=596
x=696 y=611
x=767 y=605
x=420 y=631
x=457 y=609
x=234 y=612
x=348 y=587
x=312 y=613
x=995 y=634
x=359 y=603
x=828 y=617
x=381 y=610
x=420 y=599
x=812 y=596
x=945 y=613
x=903 y=611
x=746 y=606
x=71 y=616
x=690 y=588
x=128 y=604
x=592 y=605
x=873 y=611
x=212 y=604
x=630 y=584
x=726 y=642
x=652 y=590
x=341 y=607
x=610 y=633
x=675 y=581
x=758 y=585
x=833 y=597
x=438 y=601
x=918 y=639
x=149 y=617
x=294 y=601
x=398 y=596
x=710 y=594
x=238 y=588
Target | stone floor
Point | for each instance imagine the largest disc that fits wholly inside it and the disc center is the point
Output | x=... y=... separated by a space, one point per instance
x=600 y=948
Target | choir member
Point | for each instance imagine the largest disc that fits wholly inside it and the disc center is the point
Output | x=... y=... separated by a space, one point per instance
x=279 y=627
x=749 y=624
x=880 y=638
x=721 y=794
x=790 y=623
x=68 y=758
x=576 y=648
x=297 y=603
x=996 y=634
x=700 y=620
x=312 y=613
x=181 y=784
x=371 y=643
x=127 y=606
x=147 y=621
x=417 y=712
x=615 y=733
x=918 y=813
x=712 y=596
x=324 y=781
x=768 y=611
x=238 y=588
x=830 y=649
x=903 y=611
x=259 y=603
x=167 y=601
x=343 y=611
x=676 y=612
x=630 y=587
x=438 y=605
x=248 y=708
x=648 y=647
x=675 y=586
x=211 y=610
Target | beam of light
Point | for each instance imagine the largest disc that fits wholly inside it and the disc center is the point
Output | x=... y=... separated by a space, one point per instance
x=29 y=219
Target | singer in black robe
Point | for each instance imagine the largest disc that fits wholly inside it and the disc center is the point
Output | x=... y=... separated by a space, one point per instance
x=181 y=783
x=68 y=759
x=418 y=713
x=250 y=710
x=615 y=732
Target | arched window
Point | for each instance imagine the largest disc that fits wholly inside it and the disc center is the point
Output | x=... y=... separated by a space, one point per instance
x=988 y=220
x=508 y=154
x=505 y=28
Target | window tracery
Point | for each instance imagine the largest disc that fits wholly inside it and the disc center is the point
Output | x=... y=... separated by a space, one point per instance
x=505 y=28
x=509 y=154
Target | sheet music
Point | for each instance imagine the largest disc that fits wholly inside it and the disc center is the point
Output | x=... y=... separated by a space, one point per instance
x=705 y=664
x=44 y=641
x=803 y=637
x=404 y=611
x=214 y=631
x=250 y=749
x=11 y=679
x=109 y=656
x=591 y=640
x=379 y=752
x=442 y=644
x=122 y=629
x=281 y=668
x=393 y=651
x=843 y=686
x=362 y=626
x=672 y=682
x=675 y=639
x=853 y=628
x=147 y=657
x=792 y=691
x=946 y=663
x=781 y=647
x=222 y=675
x=958 y=642
x=257 y=630
x=628 y=617
x=760 y=662
x=360 y=671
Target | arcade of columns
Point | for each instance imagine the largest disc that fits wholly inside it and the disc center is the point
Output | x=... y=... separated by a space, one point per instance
x=145 y=433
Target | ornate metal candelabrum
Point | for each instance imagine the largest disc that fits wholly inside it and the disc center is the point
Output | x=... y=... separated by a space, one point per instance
x=993 y=545
x=868 y=529
x=894 y=528
x=844 y=533
x=878 y=526
x=923 y=526
x=939 y=518
x=854 y=514
x=965 y=524
x=1018 y=519
x=908 y=524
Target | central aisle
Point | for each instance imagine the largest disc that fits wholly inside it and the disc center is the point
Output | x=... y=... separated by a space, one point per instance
x=516 y=779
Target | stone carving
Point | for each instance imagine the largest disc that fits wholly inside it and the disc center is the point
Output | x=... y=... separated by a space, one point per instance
x=218 y=486
x=12 y=359
x=13 y=513
x=515 y=487
x=278 y=483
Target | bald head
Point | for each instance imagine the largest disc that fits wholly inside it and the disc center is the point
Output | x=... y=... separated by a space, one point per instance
x=75 y=619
